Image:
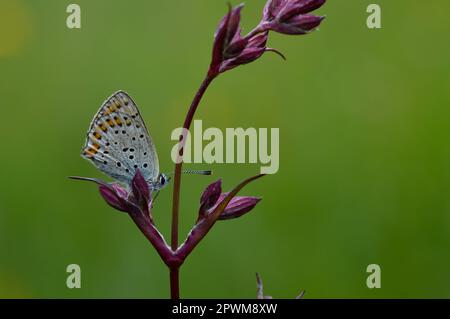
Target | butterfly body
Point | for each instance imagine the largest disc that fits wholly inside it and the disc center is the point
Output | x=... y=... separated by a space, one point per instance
x=119 y=144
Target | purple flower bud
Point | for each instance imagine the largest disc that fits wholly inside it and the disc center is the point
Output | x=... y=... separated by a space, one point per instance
x=236 y=46
x=306 y=21
x=210 y=196
x=114 y=194
x=111 y=196
x=226 y=31
x=136 y=202
x=259 y=40
x=298 y=7
x=298 y=25
x=238 y=206
x=247 y=56
x=121 y=192
x=231 y=49
x=291 y=16
x=235 y=20
x=141 y=190
x=272 y=8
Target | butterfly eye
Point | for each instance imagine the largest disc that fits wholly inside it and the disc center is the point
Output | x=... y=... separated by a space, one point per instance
x=162 y=179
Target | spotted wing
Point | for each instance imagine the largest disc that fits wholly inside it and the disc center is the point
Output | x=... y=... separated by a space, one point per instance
x=118 y=142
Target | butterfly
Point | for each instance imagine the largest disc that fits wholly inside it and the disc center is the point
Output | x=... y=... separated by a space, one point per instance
x=118 y=143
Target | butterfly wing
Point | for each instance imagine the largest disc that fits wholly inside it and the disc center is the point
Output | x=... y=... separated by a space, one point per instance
x=118 y=142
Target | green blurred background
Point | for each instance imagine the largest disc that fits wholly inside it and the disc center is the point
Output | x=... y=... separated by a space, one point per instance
x=364 y=161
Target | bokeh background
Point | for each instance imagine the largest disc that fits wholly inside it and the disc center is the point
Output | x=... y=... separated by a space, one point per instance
x=364 y=161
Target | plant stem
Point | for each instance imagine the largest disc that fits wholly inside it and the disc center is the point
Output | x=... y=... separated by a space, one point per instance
x=153 y=235
x=174 y=271
x=174 y=283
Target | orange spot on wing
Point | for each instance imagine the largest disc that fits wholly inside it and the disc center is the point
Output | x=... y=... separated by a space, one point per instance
x=118 y=120
x=97 y=135
x=110 y=122
x=89 y=152
x=103 y=127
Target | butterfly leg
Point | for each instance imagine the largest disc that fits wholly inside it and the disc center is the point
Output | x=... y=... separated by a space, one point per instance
x=154 y=197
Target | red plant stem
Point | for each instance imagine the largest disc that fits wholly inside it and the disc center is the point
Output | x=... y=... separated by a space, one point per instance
x=153 y=235
x=174 y=283
x=174 y=271
x=178 y=166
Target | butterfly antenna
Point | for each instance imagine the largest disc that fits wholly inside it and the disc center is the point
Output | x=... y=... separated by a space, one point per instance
x=193 y=171
x=197 y=172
